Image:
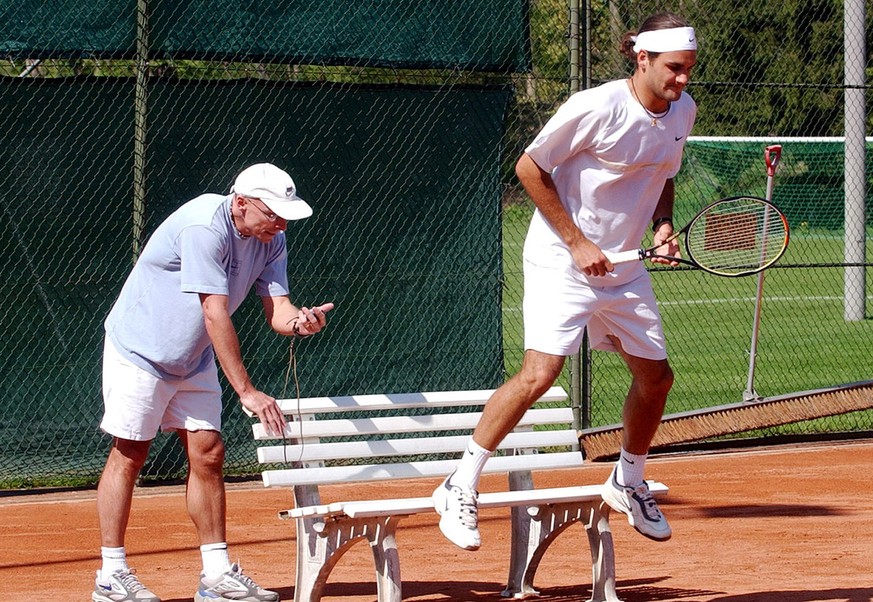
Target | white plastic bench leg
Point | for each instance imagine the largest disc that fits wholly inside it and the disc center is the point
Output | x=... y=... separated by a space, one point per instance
x=535 y=528
x=387 y=559
x=602 y=555
x=525 y=538
x=322 y=544
x=312 y=552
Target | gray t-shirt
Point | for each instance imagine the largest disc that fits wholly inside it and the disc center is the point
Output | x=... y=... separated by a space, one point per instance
x=157 y=321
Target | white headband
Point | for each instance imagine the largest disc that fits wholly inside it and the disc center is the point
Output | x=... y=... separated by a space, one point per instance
x=666 y=40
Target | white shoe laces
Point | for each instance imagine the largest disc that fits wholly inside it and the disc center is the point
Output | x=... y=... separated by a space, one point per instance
x=130 y=581
x=244 y=579
x=468 y=510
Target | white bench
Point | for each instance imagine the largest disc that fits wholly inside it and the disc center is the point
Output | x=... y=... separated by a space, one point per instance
x=366 y=438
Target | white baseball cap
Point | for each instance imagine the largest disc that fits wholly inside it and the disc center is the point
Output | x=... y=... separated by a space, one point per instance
x=274 y=188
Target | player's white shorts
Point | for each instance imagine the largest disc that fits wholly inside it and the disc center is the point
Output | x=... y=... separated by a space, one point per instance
x=558 y=306
x=137 y=404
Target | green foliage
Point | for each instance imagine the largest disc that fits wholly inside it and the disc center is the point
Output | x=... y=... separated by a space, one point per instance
x=776 y=71
x=761 y=71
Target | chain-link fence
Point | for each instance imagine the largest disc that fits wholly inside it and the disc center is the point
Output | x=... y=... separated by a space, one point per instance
x=401 y=122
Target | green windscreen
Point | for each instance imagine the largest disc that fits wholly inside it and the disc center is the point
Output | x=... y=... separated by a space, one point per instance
x=405 y=240
x=482 y=35
x=809 y=185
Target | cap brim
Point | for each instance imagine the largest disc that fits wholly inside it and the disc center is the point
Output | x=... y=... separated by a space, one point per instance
x=289 y=210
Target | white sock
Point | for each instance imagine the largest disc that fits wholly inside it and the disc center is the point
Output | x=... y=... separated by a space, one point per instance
x=114 y=559
x=216 y=561
x=470 y=467
x=629 y=468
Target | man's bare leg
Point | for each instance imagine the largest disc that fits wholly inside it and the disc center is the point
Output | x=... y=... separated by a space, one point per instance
x=114 y=499
x=204 y=491
x=644 y=405
x=456 y=498
x=115 y=490
x=510 y=401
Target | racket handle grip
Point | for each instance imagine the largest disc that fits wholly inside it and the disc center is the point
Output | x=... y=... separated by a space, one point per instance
x=625 y=256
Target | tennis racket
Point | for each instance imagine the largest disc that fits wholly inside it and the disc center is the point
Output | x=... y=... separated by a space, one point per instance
x=736 y=236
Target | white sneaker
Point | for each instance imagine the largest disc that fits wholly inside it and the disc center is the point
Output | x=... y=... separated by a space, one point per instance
x=121 y=586
x=640 y=507
x=233 y=585
x=459 y=514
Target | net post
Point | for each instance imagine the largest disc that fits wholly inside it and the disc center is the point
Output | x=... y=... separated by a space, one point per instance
x=772 y=155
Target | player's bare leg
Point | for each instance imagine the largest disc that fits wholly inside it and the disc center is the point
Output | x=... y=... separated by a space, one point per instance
x=645 y=402
x=626 y=490
x=456 y=498
x=507 y=405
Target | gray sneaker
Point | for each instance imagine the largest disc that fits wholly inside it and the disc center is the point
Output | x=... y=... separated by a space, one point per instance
x=640 y=507
x=122 y=586
x=233 y=585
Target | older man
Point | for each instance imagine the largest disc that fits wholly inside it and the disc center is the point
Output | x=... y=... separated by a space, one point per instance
x=163 y=335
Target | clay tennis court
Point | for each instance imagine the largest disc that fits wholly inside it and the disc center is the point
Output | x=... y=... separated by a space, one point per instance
x=786 y=523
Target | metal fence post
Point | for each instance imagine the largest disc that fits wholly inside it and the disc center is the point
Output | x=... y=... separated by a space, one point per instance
x=580 y=79
x=855 y=183
x=139 y=128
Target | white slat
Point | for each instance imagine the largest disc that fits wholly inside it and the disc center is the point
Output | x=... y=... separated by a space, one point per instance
x=527 y=497
x=347 y=427
x=411 y=470
x=351 y=403
x=399 y=506
x=307 y=452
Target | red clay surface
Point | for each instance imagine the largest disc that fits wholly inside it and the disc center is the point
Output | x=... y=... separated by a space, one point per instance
x=790 y=523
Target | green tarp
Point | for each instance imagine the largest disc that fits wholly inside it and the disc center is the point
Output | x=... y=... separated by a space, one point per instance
x=482 y=35
x=405 y=239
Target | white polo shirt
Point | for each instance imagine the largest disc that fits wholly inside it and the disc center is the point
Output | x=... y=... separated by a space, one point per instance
x=609 y=164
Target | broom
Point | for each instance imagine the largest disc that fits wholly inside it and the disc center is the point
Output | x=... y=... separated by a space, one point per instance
x=696 y=425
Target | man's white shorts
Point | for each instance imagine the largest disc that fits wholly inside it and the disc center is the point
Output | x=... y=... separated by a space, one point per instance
x=558 y=306
x=137 y=403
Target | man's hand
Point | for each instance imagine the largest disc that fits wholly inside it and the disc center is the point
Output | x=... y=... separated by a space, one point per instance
x=664 y=232
x=266 y=409
x=310 y=321
x=590 y=259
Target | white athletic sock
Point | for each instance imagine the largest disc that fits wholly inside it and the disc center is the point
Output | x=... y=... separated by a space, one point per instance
x=216 y=561
x=629 y=468
x=470 y=467
x=113 y=559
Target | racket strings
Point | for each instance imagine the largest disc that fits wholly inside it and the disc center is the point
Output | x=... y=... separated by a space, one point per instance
x=738 y=236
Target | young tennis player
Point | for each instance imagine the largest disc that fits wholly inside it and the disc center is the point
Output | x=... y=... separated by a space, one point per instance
x=600 y=173
x=168 y=325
